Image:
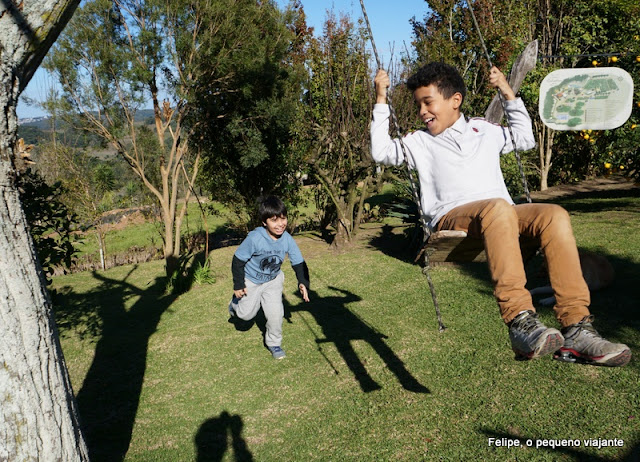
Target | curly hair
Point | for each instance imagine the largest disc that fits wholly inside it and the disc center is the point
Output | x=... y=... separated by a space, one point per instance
x=445 y=77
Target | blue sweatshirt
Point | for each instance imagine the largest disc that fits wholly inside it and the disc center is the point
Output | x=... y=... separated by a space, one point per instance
x=263 y=256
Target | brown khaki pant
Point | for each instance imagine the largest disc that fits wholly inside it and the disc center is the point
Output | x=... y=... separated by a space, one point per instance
x=499 y=224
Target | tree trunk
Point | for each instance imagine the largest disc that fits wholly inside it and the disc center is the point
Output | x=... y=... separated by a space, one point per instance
x=102 y=247
x=38 y=416
x=545 y=153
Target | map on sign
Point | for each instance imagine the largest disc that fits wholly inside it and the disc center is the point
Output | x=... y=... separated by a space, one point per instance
x=580 y=99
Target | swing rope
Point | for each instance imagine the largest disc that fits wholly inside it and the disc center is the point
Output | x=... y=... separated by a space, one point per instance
x=412 y=180
x=503 y=103
x=396 y=127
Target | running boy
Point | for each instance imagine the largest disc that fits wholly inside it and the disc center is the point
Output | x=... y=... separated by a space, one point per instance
x=257 y=277
x=462 y=188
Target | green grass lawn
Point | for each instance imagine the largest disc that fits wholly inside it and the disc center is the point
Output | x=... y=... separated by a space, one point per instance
x=367 y=375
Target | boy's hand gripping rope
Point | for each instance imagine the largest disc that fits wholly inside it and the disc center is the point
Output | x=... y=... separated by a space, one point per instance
x=412 y=180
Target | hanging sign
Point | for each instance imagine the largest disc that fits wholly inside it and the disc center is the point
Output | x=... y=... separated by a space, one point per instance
x=589 y=98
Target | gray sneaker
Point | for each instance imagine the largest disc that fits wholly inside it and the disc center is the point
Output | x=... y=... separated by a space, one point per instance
x=583 y=344
x=276 y=352
x=530 y=338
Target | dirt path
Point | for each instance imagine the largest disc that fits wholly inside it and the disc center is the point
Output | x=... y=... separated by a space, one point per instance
x=609 y=183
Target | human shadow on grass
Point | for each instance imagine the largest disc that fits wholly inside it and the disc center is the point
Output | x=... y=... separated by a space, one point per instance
x=109 y=397
x=341 y=326
x=572 y=450
x=212 y=439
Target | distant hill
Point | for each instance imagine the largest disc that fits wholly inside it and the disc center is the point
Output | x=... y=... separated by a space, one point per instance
x=43 y=123
x=35 y=129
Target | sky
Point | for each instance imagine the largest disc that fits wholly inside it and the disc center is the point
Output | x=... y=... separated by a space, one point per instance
x=389 y=19
x=389 y=24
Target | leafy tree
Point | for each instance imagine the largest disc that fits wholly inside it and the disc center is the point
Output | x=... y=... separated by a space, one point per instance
x=86 y=183
x=334 y=128
x=38 y=413
x=447 y=33
x=51 y=224
x=570 y=34
x=245 y=100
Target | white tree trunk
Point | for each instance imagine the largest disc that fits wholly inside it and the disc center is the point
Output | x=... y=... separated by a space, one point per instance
x=38 y=417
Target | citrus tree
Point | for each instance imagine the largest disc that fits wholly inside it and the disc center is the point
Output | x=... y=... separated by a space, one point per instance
x=582 y=34
x=603 y=34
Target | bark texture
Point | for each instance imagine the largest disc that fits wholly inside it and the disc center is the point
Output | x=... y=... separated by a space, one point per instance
x=38 y=417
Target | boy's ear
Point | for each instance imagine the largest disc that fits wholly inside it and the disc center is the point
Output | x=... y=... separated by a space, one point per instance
x=456 y=99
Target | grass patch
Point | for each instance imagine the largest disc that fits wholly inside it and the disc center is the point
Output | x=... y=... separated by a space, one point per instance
x=148 y=234
x=161 y=377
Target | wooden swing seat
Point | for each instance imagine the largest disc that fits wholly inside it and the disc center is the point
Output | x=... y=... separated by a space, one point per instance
x=450 y=247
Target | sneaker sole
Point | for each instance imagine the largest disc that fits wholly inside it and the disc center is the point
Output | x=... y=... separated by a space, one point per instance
x=618 y=359
x=549 y=343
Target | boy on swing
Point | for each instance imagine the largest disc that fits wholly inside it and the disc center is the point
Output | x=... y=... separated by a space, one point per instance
x=462 y=188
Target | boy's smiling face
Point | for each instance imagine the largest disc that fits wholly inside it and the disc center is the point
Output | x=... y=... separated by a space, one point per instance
x=276 y=226
x=437 y=112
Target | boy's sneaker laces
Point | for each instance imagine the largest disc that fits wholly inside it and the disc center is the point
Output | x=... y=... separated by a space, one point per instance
x=530 y=338
x=584 y=344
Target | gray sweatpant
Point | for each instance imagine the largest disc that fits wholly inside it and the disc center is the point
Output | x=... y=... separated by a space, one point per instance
x=269 y=296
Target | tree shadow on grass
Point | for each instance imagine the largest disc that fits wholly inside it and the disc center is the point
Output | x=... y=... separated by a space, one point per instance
x=401 y=243
x=341 y=326
x=212 y=439
x=597 y=201
x=109 y=397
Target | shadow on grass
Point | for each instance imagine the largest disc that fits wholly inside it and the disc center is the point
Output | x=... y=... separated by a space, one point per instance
x=403 y=246
x=597 y=201
x=341 y=326
x=212 y=439
x=109 y=397
x=575 y=451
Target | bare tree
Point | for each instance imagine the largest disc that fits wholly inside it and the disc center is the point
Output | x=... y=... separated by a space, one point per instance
x=128 y=49
x=38 y=416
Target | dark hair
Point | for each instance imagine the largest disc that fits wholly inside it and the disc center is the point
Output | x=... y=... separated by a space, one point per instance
x=271 y=206
x=445 y=77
